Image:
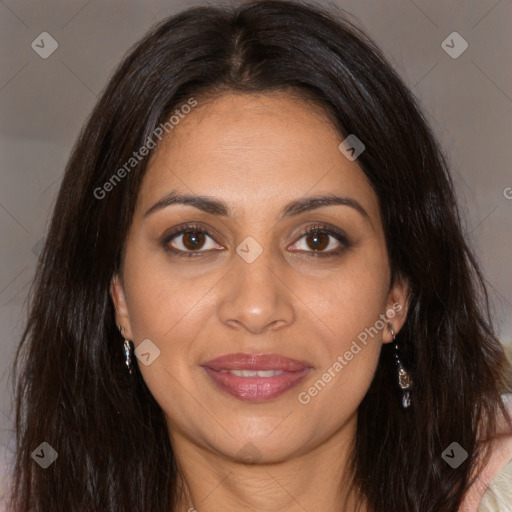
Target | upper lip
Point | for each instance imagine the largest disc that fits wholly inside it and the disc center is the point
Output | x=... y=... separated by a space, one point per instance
x=256 y=362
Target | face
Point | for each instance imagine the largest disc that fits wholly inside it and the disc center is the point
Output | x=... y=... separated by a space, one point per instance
x=306 y=310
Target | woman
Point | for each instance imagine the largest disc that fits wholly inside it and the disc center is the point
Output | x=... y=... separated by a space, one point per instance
x=255 y=293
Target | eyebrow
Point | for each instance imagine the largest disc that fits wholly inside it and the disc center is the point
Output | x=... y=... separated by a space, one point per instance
x=220 y=208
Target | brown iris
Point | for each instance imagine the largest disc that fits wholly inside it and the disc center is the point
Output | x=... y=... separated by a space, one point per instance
x=320 y=241
x=193 y=240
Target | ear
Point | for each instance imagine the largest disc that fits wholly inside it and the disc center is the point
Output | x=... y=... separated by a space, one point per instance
x=396 y=308
x=120 y=307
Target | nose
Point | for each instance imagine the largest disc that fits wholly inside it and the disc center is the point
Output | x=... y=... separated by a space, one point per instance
x=255 y=296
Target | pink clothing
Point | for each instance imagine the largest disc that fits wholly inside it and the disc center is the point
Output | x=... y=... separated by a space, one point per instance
x=500 y=458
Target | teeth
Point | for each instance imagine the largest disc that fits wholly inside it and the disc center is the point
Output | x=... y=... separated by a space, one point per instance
x=252 y=373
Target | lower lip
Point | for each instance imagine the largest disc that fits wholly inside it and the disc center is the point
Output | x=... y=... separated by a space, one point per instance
x=256 y=389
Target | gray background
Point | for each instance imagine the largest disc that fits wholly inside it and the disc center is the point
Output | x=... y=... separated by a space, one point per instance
x=44 y=103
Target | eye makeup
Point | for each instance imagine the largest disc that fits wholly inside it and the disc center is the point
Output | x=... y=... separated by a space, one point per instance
x=196 y=234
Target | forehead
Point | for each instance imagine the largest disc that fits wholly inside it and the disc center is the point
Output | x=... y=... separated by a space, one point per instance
x=254 y=150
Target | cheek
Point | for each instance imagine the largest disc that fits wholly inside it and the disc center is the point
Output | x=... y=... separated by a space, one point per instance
x=354 y=295
x=173 y=309
x=169 y=309
x=161 y=298
x=350 y=305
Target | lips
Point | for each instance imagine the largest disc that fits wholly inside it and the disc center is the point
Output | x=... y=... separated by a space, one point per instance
x=256 y=377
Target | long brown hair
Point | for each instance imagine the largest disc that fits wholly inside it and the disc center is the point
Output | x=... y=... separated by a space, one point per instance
x=72 y=389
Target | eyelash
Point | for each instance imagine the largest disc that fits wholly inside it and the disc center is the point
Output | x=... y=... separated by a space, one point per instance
x=312 y=230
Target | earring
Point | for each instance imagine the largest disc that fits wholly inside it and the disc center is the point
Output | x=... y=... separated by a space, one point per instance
x=127 y=352
x=404 y=379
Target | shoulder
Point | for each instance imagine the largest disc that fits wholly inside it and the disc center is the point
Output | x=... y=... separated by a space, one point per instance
x=492 y=488
x=498 y=495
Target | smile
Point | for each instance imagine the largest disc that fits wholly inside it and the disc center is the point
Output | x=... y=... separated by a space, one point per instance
x=255 y=377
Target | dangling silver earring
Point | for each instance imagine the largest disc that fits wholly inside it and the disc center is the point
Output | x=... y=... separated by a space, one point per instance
x=404 y=379
x=127 y=352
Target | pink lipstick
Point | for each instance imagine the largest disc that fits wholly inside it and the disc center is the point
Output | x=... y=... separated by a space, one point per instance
x=256 y=377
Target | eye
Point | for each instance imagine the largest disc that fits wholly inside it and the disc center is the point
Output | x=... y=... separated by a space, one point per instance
x=322 y=241
x=190 y=239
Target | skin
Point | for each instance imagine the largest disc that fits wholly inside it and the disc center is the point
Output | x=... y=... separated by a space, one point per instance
x=257 y=153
